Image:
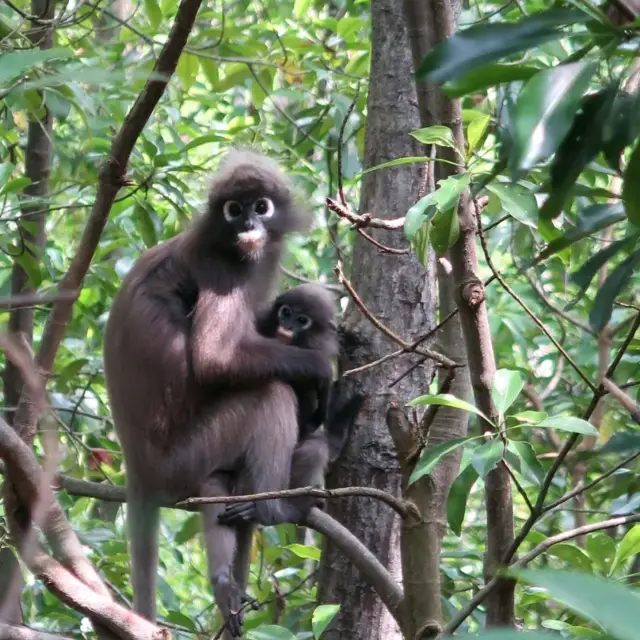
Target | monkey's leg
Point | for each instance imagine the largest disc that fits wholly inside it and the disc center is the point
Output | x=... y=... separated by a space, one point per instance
x=220 y=545
x=268 y=458
x=242 y=560
x=143 y=519
x=308 y=464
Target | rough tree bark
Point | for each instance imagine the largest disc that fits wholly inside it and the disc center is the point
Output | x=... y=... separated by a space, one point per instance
x=38 y=168
x=398 y=290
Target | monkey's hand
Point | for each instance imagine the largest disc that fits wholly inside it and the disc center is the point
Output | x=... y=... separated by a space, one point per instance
x=239 y=513
x=233 y=601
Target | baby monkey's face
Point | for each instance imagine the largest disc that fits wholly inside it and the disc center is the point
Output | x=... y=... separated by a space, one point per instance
x=293 y=325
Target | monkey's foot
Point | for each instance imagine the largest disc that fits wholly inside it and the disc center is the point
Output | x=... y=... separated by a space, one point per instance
x=232 y=601
x=239 y=513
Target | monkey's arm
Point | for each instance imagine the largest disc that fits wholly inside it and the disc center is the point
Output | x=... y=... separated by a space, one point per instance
x=226 y=345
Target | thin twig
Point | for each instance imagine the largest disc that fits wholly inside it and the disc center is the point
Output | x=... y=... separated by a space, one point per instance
x=516 y=297
x=364 y=219
x=438 y=357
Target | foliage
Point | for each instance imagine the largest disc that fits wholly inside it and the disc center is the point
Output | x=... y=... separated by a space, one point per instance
x=551 y=140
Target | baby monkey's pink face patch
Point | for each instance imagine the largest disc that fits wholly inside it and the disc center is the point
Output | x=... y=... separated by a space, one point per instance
x=284 y=335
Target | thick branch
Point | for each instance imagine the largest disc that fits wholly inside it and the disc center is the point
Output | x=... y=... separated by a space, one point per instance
x=385 y=586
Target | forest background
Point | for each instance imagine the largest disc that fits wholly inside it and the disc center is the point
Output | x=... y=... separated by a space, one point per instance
x=476 y=207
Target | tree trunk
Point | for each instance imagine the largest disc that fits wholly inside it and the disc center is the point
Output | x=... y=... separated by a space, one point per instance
x=397 y=290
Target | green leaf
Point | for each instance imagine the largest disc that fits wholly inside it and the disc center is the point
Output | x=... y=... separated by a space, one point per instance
x=15 y=63
x=544 y=112
x=572 y=555
x=458 y=496
x=420 y=244
x=517 y=201
x=31 y=267
x=6 y=169
x=528 y=459
x=15 y=185
x=207 y=138
x=187 y=70
x=471 y=48
x=592 y=219
x=143 y=216
x=322 y=617
x=621 y=128
x=446 y=229
x=532 y=417
x=488 y=76
x=601 y=549
x=421 y=212
x=190 y=529
x=71 y=370
x=304 y=551
x=512 y=634
x=612 y=606
x=270 y=632
x=210 y=68
x=617 y=280
x=177 y=618
x=154 y=13
x=398 y=162
x=437 y=134
x=430 y=457
x=300 y=8
x=579 y=147
x=569 y=423
x=487 y=456
x=476 y=130
x=587 y=272
x=629 y=546
x=631 y=187
x=448 y=400
x=506 y=387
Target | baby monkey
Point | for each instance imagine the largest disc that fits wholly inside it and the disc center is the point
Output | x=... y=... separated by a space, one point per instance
x=304 y=317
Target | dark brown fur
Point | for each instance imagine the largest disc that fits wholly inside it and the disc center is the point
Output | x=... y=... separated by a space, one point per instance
x=316 y=448
x=199 y=398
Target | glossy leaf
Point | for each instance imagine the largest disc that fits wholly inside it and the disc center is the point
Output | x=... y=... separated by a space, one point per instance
x=601 y=549
x=631 y=187
x=569 y=423
x=587 y=272
x=458 y=496
x=592 y=219
x=572 y=555
x=544 y=112
x=189 y=530
x=612 y=287
x=270 y=632
x=487 y=456
x=488 y=76
x=484 y=43
x=476 y=131
x=187 y=70
x=418 y=214
x=446 y=229
x=506 y=387
x=304 y=551
x=437 y=134
x=578 y=148
x=608 y=604
x=15 y=63
x=447 y=400
x=517 y=201
x=430 y=457
x=629 y=546
x=621 y=128
x=6 y=169
x=322 y=617
x=154 y=13
x=300 y=7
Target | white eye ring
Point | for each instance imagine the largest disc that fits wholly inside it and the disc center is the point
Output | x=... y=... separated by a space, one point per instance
x=227 y=210
x=269 y=212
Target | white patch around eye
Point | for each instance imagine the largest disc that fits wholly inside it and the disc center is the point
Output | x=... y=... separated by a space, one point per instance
x=231 y=210
x=270 y=208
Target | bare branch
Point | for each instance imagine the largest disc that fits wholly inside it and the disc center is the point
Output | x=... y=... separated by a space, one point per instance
x=21 y=300
x=365 y=219
x=623 y=398
x=11 y=632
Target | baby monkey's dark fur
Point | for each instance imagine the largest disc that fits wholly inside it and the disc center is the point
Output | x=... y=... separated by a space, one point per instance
x=304 y=317
x=201 y=401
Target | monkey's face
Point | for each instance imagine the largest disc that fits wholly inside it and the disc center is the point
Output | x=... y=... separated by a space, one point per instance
x=247 y=221
x=305 y=323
